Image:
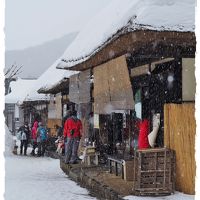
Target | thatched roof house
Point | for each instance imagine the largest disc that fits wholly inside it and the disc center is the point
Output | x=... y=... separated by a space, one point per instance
x=149 y=47
x=127 y=26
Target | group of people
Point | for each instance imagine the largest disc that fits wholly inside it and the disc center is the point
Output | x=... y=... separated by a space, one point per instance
x=70 y=135
x=37 y=135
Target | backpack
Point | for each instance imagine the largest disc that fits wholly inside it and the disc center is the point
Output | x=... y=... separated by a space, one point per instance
x=19 y=135
x=43 y=133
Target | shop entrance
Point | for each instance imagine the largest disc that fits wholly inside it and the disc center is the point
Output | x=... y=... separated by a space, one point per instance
x=112 y=133
x=153 y=90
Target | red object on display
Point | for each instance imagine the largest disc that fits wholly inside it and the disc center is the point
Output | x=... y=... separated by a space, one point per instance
x=143 y=141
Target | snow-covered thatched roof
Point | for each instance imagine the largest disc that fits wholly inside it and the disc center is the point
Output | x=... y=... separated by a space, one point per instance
x=56 y=88
x=19 y=90
x=129 y=16
x=47 y=80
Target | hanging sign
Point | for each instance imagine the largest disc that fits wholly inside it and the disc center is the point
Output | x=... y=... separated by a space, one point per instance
x=96 y=121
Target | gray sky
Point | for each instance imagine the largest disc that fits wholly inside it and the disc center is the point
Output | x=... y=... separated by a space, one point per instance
x=32 y=22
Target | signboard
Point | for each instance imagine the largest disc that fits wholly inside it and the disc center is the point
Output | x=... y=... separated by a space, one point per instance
x=96 y=121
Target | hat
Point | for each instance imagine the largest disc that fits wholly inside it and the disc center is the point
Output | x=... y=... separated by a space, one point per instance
x=74 y=113
x=68 y=113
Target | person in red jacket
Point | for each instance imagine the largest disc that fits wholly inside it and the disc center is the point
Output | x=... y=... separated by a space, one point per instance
x=72 y=135
x=34 y=137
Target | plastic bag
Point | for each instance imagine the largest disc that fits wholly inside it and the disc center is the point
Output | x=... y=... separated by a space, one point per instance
x=19 y=135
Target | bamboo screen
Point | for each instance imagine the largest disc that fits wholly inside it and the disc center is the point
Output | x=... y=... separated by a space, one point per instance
x=179 y=135
x=112 y=87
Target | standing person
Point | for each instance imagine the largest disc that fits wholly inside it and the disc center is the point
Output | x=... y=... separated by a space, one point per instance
x=25 y=134
x=34 y=136
x=41 y=139
x=68 y=114
x=72 y=131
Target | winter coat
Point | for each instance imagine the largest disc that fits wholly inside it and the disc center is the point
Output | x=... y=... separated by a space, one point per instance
x=34 y=131
x=25 y=132
x=41 y=134
x=73 y=128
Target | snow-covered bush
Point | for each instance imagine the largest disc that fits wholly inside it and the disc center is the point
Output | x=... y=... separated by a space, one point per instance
x=9 y=142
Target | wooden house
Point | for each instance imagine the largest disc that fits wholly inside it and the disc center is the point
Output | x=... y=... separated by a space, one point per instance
x=146 y=65
x=14 y=112
x=75 y=94
x=59 y=103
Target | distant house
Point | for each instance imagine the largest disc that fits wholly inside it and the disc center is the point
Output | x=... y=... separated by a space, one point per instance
x=14 y=114
x=141 y=58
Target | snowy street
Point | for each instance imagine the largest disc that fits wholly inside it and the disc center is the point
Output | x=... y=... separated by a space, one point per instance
x=30 y=178
x=40 y=178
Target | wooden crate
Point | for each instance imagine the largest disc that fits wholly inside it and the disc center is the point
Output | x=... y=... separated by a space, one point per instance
x=154 y=172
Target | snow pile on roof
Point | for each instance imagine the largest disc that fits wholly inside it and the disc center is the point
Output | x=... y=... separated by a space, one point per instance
x=9 y=142
x=19 y=90
x=47 y=80
x=171 y=15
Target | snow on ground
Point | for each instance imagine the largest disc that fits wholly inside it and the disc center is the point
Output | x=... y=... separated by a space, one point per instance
x=35 y=178
x=176 y=196
x=41 y=178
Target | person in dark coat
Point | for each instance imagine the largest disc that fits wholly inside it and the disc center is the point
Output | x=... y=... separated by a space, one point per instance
x=25 y=135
